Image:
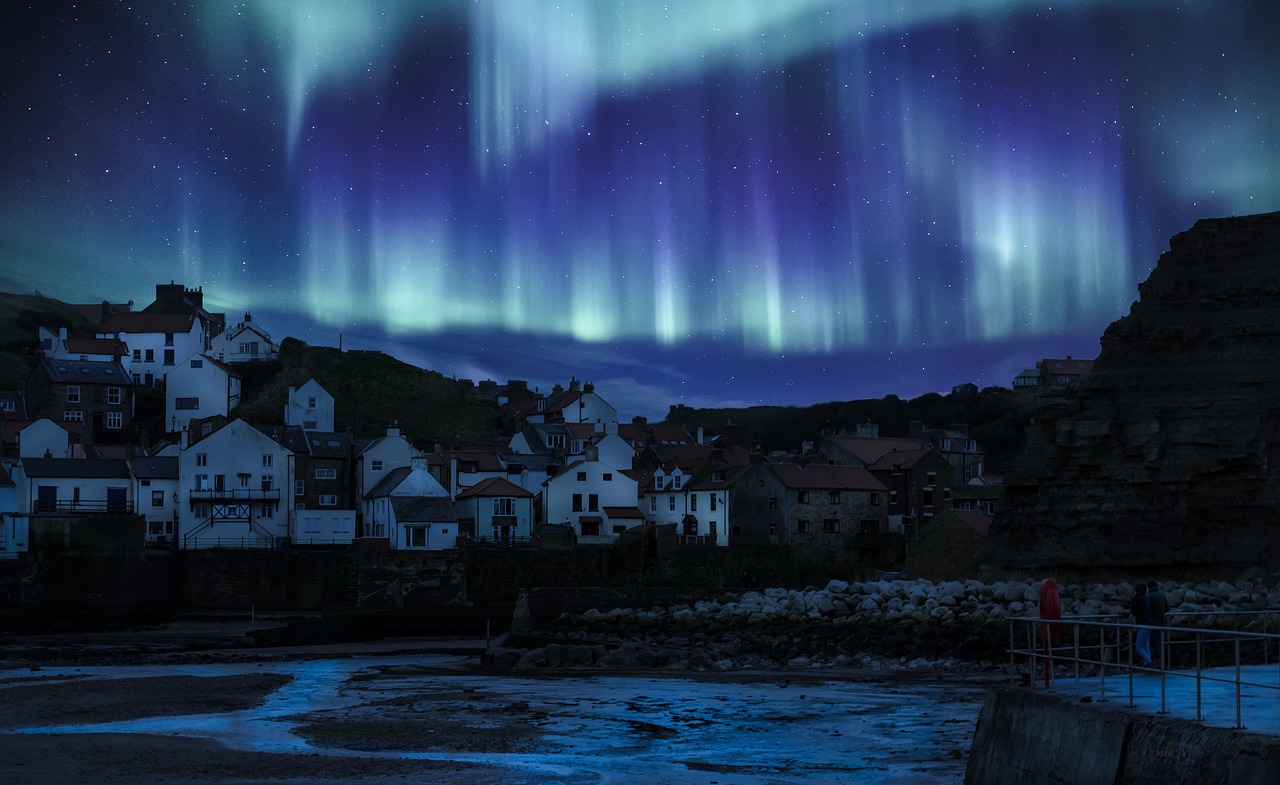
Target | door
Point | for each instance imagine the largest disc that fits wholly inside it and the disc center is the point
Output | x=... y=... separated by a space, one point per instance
x=46 y=498
x=117 y=500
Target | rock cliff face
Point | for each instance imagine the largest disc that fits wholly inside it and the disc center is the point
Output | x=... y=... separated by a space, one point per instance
x=1165 y=459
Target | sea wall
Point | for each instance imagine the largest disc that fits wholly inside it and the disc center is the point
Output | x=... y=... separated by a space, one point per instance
x=1029 y=737
x=875 y=624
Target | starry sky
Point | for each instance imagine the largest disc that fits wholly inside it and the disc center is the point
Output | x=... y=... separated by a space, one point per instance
x=697 y=201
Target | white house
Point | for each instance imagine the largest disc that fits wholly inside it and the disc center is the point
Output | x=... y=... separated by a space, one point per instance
x=580 y=403
x=59 y=346
x=378 y=457
x=157 y=342
x=233 y=488
x=582 y=496
x=411 y=509
x=310 y=407
x=155 y=481
x=74 y=486
x=45 y=438
x=199 y=386
x=244 y=342
x=423 y=524
x=498 y=509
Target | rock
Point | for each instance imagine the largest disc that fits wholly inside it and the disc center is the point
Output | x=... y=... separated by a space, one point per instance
x=1163 y=454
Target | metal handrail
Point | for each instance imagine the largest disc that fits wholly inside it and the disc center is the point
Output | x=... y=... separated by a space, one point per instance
x=1096 y=644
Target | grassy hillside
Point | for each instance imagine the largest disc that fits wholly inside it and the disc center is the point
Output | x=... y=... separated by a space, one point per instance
x=21 y=316
x=370 y=391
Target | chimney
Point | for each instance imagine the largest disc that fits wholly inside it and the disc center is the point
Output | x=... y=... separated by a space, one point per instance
x=591 y=453
x=186 y=438
x=588 y=387
x=868 y=430
x=393 y=430
x=639 y=422
x=701 y=435
x=574 y=384
x=62 y=334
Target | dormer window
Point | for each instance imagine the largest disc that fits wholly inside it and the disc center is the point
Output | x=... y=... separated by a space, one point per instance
x=676 y=481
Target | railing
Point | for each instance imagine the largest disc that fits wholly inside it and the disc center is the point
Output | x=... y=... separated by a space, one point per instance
x=490 y=542
x=240 y=543
x=235 y=495
x=81 y=506
x=1195 y=648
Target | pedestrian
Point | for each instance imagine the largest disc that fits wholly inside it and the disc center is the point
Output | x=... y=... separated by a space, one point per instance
x=1140 y=610
x=1158 y=605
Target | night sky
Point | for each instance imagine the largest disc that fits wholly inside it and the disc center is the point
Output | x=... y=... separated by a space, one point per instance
x=708 y=202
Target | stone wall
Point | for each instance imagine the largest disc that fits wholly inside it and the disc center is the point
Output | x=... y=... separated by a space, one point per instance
x=1165 y=459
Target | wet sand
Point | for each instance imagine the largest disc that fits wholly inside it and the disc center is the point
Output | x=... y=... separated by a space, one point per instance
x=373 y=713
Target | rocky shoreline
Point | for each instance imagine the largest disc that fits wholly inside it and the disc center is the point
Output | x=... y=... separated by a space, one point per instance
x=956 y=626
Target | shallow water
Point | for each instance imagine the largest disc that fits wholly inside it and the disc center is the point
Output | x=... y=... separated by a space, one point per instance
x=603 y=728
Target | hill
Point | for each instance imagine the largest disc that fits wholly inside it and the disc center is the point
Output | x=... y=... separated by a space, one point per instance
x=371 y=390
x=996 y=417
x=21 y=316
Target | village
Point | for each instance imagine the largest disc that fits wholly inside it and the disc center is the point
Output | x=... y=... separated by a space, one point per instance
x=569 y=471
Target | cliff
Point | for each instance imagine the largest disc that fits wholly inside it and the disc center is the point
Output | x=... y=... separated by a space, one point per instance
x=1165 y=459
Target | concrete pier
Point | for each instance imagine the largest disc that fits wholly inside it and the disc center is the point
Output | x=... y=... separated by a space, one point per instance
x=1033 y=736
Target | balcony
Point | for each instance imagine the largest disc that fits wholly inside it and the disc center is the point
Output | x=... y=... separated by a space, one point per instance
x=234 y=495
x=82 y=507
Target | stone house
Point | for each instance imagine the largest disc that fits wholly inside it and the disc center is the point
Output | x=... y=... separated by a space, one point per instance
x=97 y=394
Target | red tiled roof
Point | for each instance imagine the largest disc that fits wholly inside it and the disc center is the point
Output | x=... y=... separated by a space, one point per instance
x=495 y=486
x=870 y=449
x=902 y=459
x=976 y=520
x=825 y=477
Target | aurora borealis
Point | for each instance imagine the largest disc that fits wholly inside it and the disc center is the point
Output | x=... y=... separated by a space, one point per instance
x=773 y=201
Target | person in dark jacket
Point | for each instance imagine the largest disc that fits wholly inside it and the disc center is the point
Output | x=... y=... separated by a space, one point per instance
x=1158 y=605
x=1140 y=610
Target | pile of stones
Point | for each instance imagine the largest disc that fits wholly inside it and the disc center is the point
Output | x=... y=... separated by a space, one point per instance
x=877 y=625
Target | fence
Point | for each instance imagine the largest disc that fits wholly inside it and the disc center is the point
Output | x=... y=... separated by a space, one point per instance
x=1202 y=647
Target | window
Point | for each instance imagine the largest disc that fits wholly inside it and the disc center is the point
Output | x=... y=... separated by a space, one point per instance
x=555 y=440
x=115 y=420
x=672 y=505
x=328 y=500
x=311 y=402
x=677 y=480
x=202 y=482
x=802 y=526
x=713 y=501
x=582 y=476
x=151 y=355
x=869 y=527
x=833 y=497
x=326 y=474
x=202 y=459
x=831 y=525
x=196 y=362
x=168 y=339
x=268 y=482
x=417 y=536
x=893 y=497
x=168 y=357
x=717 y=476
x=875 y=498
x=202 y=510
x=802 y=497
x=145 y=483
x=504 y=506
x=590 y=528
x=577 y=502
x=311 y=525
x=73 y=415
x=299 y=488
x=113 y=395
x=137 y=355
x=653 y=504
x=244 y=479
x=896 y=470
x=593 y=502
x=608 y=476
x=931 y=478
x=375 y=466
x=693 y=502
x=73 y=393
x=266 y=460
x=946 y=494
x=186 y=404
x=773 y=529
x=157 y=498
x=773 y=502
x=267 y=512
